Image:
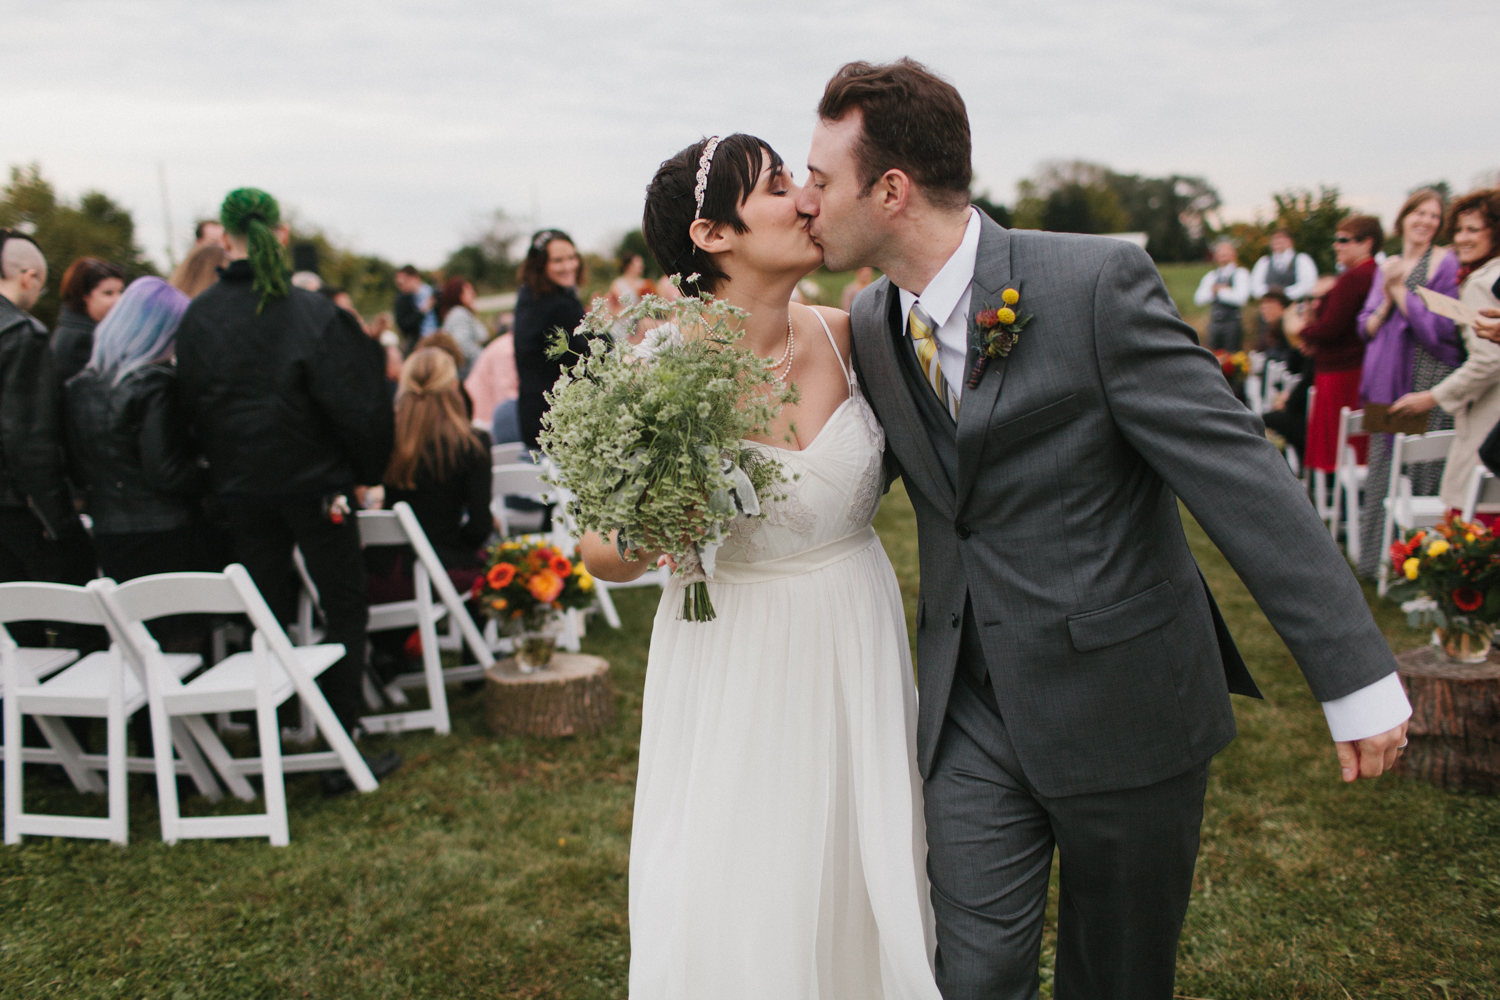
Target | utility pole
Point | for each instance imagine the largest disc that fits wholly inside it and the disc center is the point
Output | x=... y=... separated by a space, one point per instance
x=166 y=215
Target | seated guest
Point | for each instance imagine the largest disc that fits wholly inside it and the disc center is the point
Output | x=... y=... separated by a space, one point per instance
x=129 y=446
x=1410 y=350
x=442 y=342
x=1471 y=393
x=200 y=269
x=1273 y=343
x=493 y=383
x=1333 y=341
x=456 y=313
x=90 y=288
x=1225 y=290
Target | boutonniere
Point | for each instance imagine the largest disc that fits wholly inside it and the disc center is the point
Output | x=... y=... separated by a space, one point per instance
x=999 y=330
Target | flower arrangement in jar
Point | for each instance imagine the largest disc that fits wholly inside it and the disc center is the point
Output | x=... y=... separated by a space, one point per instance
x=1449 y=578
x=525 y=586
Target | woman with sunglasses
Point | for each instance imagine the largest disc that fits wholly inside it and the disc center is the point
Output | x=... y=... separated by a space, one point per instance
x=1333 y=341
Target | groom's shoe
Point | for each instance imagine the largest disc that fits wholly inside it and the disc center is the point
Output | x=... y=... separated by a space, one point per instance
x=336 y=783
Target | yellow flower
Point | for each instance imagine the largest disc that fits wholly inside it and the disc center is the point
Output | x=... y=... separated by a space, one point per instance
x=1010 y=296
x=1469 y=537
x=498 y=604
x=1437 y=548
x=1005 y=316
x=584 y=578
x=1410 y=568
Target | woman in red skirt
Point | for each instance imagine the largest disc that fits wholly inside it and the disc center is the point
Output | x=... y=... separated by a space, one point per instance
x=1332 y=339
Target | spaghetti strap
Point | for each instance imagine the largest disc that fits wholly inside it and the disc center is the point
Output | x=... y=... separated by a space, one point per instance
x=846 y=369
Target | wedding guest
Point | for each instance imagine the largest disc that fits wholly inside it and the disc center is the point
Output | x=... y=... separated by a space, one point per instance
x=493 y=382
x=1287 y=414
x=626 y=290
x=456 y=313
x=90 y=289
x=287 y=398
x=209 y=233
x=1225 y=290
x=382 y=330
x=415 y=316
x=1333 y=341
x=1409 y=350
x=863 y=278
x=1472 y=392
x=200 y=269
x=546 y=302
x=1284 y=269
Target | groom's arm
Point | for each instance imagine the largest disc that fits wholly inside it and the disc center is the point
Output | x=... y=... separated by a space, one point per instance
x=1171 y=403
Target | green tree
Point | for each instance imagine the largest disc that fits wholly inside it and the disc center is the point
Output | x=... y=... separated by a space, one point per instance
x=1312 y=220
x=486 y=259
x=1072 y=196
x=94 y=227
x=1169 y=210
x=993 y=209
x=369 y=280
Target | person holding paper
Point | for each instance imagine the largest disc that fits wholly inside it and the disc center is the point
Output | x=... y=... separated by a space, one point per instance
x=1410 y=349
x=1472 y=392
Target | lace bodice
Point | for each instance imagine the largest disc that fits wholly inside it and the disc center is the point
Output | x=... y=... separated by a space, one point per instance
x=832 y=489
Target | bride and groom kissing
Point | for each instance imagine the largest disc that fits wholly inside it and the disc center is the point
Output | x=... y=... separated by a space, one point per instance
x=807 y=827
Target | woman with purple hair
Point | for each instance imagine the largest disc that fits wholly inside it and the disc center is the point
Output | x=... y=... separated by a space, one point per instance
x=128 y=442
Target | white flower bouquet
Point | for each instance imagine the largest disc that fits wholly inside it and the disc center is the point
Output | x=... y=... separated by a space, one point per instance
x=650 y=440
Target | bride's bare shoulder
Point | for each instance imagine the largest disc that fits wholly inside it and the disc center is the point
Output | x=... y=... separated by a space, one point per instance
x=838 y=325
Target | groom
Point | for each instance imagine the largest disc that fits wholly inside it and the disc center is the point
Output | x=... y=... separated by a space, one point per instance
x=1047 y=409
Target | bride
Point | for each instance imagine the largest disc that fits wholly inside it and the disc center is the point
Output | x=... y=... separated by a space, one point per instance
x=778 y=847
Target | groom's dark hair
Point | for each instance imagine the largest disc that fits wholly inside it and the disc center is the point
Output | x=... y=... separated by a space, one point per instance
x=913 y=121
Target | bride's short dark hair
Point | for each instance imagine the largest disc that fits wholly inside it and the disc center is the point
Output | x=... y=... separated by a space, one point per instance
x=736 y=168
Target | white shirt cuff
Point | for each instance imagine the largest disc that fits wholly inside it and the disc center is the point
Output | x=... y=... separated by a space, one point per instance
x=1370 y=711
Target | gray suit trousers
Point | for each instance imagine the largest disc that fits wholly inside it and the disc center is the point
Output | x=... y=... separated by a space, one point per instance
x=1126 y=856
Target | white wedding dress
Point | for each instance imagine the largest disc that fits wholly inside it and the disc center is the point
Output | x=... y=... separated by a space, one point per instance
x=778 y=850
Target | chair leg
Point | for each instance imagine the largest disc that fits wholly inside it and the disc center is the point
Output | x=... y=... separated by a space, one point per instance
x=119 y=788
x=12 y=758
x=214 y=750
x=607 y=605
x=166 y=774
x=270 y=774
x=70 y=754
x=202 y=774
x=1383 y=581
x=1352 y=526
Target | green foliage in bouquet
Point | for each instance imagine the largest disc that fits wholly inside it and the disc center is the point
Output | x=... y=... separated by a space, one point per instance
x=650 y=439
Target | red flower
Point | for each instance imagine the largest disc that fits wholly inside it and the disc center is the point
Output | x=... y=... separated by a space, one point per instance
x=1400 y=552
x=988 y=318
x=500 y=575
x=1467 y=599
x=561 y=566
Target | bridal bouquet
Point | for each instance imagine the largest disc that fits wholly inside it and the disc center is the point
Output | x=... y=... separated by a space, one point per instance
x=649 y=439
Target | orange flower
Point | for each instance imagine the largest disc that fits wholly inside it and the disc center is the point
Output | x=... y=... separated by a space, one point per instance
x=988 y=318
x=560 y=565
x=545 y=585
x=500 y=575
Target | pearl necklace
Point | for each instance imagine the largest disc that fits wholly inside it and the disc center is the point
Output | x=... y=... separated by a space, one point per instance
x=786 y=355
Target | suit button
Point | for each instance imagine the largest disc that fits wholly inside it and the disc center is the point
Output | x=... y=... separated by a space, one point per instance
x=963 y=531
x=956 y=619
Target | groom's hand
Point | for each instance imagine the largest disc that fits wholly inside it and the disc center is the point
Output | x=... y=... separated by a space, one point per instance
x=1373 y=756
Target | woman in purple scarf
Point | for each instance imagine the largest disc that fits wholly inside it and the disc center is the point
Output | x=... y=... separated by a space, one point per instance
x=1410 y=350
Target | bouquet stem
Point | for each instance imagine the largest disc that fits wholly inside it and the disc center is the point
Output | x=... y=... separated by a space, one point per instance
x=696 y=607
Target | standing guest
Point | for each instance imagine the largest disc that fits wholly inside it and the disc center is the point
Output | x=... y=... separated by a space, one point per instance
x=863 y=278
x=456 y=312
x=414 y=306
x=1472 y=392
x=1225 y=290
x=1293 y=273
x=90 y=289
x=1333 y=340
x=626 y=291
x=547 y=302
x=288 y=399
x=209 y=233
x=200 y=269
x=1409 y=350
x=492 y=383
x=39 y=530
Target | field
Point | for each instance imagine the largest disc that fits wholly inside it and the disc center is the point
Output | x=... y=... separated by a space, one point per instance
x=490 y=868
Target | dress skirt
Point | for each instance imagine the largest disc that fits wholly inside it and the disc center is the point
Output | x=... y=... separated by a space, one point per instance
x=1335 y=390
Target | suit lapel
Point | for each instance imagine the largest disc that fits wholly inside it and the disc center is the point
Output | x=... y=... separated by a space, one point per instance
x=992 y=275
x=888 y=386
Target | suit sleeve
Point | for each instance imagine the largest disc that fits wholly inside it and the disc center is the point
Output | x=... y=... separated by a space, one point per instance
x=1169 y=400
x=347 y=380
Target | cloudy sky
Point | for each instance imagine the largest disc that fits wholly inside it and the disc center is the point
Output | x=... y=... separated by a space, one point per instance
x=399 y=126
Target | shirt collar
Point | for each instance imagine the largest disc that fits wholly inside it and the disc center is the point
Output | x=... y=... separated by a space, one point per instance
x=947 y=287
x=1286 y=255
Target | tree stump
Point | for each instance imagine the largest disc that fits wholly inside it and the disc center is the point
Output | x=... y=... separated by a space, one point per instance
x=1454 y=736
x=570 y=698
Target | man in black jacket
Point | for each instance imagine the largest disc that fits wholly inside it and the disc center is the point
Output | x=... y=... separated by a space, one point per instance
x=288 y=400
x=39 y=530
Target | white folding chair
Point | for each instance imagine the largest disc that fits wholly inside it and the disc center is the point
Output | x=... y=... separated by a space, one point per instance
x=261 y=680
x=1255 y=396
x=1483 y=489
x=1348 y=480
x=1402 y=509
x=654 y=577
x=515 y=479
x=507 y=454
x=101 y=685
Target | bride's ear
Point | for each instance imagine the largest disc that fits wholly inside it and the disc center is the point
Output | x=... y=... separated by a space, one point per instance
x=708 y=236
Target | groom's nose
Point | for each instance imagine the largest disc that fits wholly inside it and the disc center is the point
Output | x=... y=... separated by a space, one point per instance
x=807 y=200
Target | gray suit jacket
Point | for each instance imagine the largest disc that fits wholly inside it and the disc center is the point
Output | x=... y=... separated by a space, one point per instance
x=1061 y=524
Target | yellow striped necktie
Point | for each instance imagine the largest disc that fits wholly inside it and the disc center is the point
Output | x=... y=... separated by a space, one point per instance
x=924 y=341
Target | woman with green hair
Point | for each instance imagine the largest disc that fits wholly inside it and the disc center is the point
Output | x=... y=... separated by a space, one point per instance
x=288 y=399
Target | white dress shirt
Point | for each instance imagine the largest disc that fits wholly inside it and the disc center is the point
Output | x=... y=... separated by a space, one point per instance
x=946 y=300
x=1305 y=270
x=1237 y=294
x=1367 y=712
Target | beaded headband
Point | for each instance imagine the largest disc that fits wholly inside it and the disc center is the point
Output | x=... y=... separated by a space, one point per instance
x=700 y=187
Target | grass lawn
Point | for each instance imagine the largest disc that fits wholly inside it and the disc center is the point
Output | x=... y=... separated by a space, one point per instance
x=490 y=868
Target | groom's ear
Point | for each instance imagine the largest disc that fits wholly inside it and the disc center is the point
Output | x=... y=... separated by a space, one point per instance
x=708 y=236
x=892 y=192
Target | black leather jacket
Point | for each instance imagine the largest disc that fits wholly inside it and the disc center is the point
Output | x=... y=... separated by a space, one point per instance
x=129 y=448
x=72 y=342
x=31 y=456
x=290 y=399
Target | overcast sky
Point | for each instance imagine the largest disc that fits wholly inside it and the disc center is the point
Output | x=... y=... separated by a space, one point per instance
x=399 y=126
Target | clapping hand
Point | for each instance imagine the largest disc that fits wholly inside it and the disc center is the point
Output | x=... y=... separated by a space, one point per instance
x=1488 y=325
x=1372 y=757
x=1413 y=404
